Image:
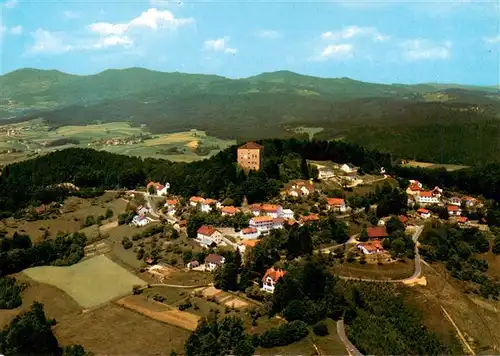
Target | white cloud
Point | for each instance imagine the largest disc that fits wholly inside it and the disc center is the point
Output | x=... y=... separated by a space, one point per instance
x=152 y=19
x=16 y=30
x=106 y=42
x=270 y=34
x=492 y=40
x=49 y=42
x=420 y=49
x=71 y=14
x=354 y=31
x=219 y=45
x=10 y=4
x=335 y=51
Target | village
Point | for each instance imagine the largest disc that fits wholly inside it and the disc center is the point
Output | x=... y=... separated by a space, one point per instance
x=366 y=243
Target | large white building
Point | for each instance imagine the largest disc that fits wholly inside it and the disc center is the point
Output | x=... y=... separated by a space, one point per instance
x=264 y=224
x=207 y=235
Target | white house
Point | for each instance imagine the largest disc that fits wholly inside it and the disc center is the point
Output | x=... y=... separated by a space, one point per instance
x=207 y=235
x=455 y=201
x=171 y=205
x=271 y=210
x=249 y=233
x=429 y=197
x=194 y=201
x=140 y=221
x=271 y=277
x=336 y=204
x=325 y=173
x=266 y=223
x=207 y=204
x=287 y=214
x=424 y=213
x=163 y=189
x=212 y=261
x=370 y=247
x=193 y=264
x=414 y=188
x=142 y=210
x=255 y=209
x=229 y=210
x=454 y=210
x=348 y=168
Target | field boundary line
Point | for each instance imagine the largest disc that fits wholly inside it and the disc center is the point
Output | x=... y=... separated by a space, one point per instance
x=460 y=335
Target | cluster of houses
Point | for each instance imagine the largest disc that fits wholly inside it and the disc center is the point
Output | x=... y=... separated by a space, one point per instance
x=418 y=195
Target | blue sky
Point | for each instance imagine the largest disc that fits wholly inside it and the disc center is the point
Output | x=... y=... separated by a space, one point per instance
x=379 y=41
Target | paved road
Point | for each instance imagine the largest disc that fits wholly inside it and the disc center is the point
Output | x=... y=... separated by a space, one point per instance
x=351 y=349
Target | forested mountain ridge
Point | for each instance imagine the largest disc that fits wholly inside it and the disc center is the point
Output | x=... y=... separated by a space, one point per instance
x=428 y=122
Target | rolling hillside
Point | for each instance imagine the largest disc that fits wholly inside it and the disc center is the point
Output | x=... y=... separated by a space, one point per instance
x=268 y=105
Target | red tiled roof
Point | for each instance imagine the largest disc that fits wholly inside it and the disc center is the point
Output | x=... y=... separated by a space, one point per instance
x=261 y=219
x=462 y=219
x=453 y=208
x=414 y=187
x=377 y=232
x=270 y=208
x=255 y=207
x=274 y=274
x=403 y=219
x=210 y=201
x=206 y=230
x=423 y=211
x=249 y=230
x=308 y=218
x=251 y=146
x=213 y=258
x=172 y=202
x=426 y=194
x=153 y=184
x=250 y=243
x=196 y=199
x=372 y=245
x=182 y=223
x=335 y=201
x=278 y=220
x=230 y=210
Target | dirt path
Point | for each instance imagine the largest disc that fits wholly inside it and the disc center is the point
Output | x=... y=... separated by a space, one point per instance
x=459 y=333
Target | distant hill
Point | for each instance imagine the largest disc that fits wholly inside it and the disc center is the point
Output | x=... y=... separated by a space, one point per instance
x=264 y=106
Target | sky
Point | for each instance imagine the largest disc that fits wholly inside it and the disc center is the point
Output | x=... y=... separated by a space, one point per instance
x=446 y=41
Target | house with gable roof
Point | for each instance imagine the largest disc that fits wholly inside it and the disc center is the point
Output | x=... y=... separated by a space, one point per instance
x=271 y=277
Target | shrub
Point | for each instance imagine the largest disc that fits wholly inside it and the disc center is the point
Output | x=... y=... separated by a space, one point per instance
x=127 y=243
x=285 y=334
x=321 y=329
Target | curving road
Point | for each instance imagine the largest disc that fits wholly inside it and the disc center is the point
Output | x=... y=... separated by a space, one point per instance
x=351 y=349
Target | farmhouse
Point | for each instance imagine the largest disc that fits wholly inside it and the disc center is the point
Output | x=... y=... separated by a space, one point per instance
x=424 y=213
x=271 y=277
x=348 y=168
x=193 y=264
x=371 y=247
x=243 y=245
x=454 y=210
x=249 y=233
x=429 y=197
x=212 y=261
x=255 y=209
x=414 y=187
x=158 y=188
x=207 y=204
x=207 y=235
x=463 y=220
x=229 y=210
x=470 y=201
x=336 y=204
x=250 y=156
x=377 y=232
x=171 y=204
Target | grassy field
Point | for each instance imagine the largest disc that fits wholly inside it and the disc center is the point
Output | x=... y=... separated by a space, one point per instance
x=30 y=138
x=448 y=167
x=73 y=213
x=394 y=270
x=113 y=330
x=90 y=283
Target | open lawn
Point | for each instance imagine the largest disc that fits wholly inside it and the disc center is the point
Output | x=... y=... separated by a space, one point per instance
x=448 y=167
x=114 y=330
x=91 y=282
x=393 y=270
x=190 y=278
